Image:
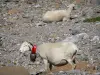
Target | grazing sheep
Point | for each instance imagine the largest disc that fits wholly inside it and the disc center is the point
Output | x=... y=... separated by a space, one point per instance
x=58 y=15
x=55 y=53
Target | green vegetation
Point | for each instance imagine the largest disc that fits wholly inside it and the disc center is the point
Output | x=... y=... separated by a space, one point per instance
x=92 y=19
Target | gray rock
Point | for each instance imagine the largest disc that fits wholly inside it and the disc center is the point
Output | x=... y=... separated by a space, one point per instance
x=27 y=25
x=95 y=39
x=40 y=24
x=76 y=38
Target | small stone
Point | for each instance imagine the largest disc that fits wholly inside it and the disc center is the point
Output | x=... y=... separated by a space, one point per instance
x=37 y=6
x=83 y=35
x=40 y=24
x=95 y=39
x=74 y=32
x=31 y=1
x=37 y=62
x=25 y=47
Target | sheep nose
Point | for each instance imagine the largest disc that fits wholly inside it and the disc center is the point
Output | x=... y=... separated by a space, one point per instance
x=33 y=57
x=74 y=8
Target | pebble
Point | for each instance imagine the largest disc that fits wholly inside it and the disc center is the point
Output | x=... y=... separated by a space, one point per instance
x=95 y=39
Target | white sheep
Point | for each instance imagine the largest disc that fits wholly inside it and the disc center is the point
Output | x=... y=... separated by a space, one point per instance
x=56 y=53
x=58 y=15
x=53 y=54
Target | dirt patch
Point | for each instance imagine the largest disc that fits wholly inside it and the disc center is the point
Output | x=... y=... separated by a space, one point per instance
x=15 y=70
x=82 y=66
x=13 y=11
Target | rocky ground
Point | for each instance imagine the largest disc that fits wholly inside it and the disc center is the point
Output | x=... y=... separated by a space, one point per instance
x=22 y=21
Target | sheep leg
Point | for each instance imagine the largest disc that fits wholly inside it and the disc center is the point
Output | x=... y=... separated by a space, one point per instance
x=65 y=19
x=74 y=59
x=48 y=66
x=45 y=66
x=70 y=61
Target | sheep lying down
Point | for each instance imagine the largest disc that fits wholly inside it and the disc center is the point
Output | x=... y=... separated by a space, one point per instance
x=58 y=15
x=56 y=53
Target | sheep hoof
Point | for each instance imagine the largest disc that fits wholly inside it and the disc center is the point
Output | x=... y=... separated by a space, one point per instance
x=65 y=19
x=74 y=67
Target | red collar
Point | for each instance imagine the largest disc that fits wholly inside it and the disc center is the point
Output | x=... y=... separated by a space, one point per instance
x=34 y=49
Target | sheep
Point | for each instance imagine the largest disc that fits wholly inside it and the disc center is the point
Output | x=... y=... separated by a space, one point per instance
x=55 y=54
x=58 y=15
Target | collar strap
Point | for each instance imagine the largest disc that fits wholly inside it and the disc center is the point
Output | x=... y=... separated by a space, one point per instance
x=34 y=49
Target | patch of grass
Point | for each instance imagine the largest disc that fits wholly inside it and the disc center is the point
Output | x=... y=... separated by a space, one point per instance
x=92 y=19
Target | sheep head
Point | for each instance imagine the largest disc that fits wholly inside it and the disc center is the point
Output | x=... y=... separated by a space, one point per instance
x=33 y=53
x=71 y=6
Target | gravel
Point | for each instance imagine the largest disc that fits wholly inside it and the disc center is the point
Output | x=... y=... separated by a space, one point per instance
x=22 y=21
